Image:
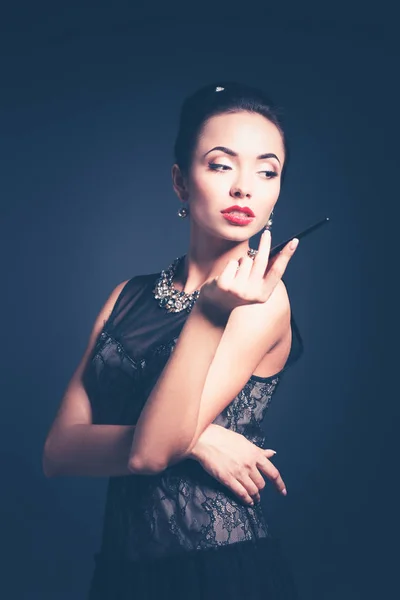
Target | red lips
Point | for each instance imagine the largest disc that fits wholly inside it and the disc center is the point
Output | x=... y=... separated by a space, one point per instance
x=244 y=209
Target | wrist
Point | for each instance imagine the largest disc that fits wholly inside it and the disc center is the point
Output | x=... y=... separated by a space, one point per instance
x=214 y=314
x=195 y=452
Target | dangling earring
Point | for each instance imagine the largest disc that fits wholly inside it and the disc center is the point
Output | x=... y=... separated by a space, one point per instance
x=183 y=212
x=270 y=221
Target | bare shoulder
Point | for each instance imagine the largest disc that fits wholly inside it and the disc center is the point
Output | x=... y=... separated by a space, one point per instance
x=268 y=321
x=280 y=297
x=279 y=311
x=275 y=310
x=119 y=287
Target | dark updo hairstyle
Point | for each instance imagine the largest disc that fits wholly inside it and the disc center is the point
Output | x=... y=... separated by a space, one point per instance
x=216 y=99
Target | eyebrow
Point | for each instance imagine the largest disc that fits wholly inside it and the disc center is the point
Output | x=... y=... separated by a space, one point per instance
x=232 y=153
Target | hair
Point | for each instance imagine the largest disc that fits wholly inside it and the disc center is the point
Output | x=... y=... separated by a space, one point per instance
x=216 y=99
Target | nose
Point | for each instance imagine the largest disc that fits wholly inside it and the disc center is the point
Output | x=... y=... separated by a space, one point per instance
x=240 y=190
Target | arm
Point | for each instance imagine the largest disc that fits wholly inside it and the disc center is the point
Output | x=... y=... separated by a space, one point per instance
x=217 y=362
x=89 y=451
x=74 y=446
x=159 y=435
x=251 y=332
x=236 y=462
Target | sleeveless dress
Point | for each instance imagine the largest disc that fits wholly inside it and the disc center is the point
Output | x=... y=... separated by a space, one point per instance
x=180 y=533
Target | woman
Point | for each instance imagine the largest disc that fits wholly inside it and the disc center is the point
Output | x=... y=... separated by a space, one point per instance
x=180 y=367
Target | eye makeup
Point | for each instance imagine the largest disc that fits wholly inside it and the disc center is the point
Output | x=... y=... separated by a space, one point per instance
x=217 y=167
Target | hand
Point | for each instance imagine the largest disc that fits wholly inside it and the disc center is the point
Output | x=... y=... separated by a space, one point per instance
x=252 y=283
x=236 y=462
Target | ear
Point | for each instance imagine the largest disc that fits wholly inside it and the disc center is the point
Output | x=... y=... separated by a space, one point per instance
x=179 y=183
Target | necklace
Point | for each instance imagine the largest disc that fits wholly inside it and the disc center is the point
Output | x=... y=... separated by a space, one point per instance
x=172 y=299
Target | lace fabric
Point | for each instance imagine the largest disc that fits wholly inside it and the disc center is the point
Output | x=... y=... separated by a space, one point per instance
x=183 y=508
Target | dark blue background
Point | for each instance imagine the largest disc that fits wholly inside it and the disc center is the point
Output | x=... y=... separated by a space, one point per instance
x=89 y=105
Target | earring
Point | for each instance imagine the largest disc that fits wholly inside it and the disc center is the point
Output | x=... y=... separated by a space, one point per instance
x=183 y=212
x=270 y=221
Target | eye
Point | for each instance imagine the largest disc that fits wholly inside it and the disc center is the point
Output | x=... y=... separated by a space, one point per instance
x=270 y=174
x=217 y=167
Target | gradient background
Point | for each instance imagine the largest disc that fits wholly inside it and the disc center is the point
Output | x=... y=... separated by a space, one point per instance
x=89 y=104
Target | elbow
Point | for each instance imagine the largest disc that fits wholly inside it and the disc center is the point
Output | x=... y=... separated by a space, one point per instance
x=138 y=466
x=153 y=465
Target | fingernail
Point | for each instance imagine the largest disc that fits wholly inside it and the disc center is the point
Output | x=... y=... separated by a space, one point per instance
x=284 y=492
x=293 y=244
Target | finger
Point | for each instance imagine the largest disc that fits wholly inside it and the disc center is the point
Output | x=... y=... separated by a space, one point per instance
x=271 y=472
x=277 y=267
x=286 y=253
x=229 y=272
x=239 y=490
x=245 y=268
x=269 y=452
x=259 y=481
x=260 y=261
x=257 y=478
x=248 y=483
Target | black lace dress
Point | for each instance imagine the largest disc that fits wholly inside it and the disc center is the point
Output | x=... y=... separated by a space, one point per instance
x=180 y=533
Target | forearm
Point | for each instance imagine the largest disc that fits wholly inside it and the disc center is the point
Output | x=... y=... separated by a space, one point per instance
x=89 y=450
x=168 y=421
x=95 y=451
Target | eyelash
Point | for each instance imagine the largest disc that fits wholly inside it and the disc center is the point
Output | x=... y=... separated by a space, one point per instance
x=212 y=166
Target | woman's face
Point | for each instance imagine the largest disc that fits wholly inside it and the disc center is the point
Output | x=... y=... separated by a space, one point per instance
x=236 y=173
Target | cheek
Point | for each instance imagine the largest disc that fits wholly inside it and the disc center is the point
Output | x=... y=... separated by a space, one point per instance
x=265 y=193
x=205 y=186
x=271 y=188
